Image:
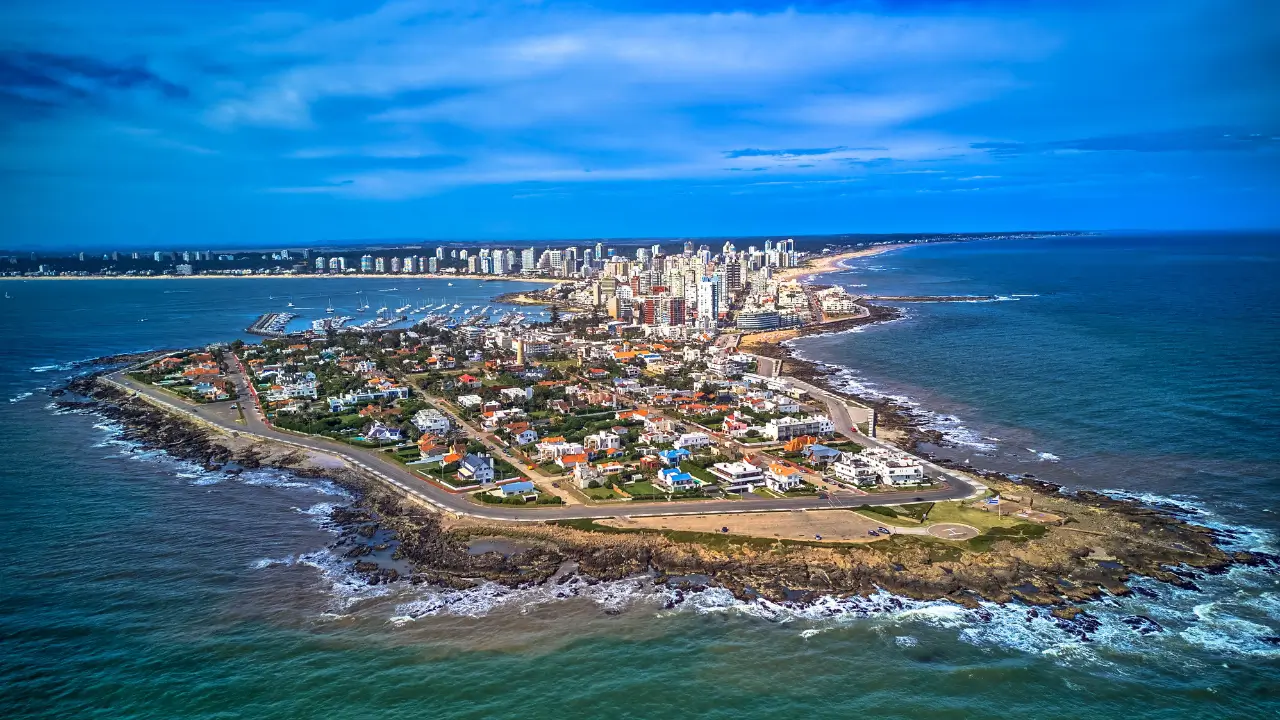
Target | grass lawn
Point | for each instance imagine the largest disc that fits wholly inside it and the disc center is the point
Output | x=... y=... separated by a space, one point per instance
x=955 y=512
x=551 y=469
x=766 y=492
x=642 y=487
x=698 y=472
x=601 y=493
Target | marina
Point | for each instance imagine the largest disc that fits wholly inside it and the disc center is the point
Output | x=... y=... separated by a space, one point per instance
x=271 y=324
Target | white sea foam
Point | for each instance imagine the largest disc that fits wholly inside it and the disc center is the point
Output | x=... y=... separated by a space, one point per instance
x=344 y=587
x=951 y=426
x=487 y=597
x=21 y=396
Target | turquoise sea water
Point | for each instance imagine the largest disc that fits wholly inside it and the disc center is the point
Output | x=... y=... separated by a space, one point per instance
x=137 y=586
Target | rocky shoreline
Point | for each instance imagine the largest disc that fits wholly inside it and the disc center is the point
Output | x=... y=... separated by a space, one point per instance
x=1103 y=544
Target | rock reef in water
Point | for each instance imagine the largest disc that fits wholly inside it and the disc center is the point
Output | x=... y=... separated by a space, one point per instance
x=1102 y=543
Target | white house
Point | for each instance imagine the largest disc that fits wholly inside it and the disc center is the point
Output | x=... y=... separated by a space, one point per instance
x=584 y=474
x=476 y=469
x=603 y=440
x=782 y=478
x=894 y=468
x=382 y=433
x=431 y=421
x=692 y=440
x=525 y=437
x=470 y=401
x=516 y=395
x=676 y=480
x=853 y=469
x=738 y=476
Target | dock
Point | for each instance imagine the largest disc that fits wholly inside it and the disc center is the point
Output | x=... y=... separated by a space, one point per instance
x=271 y=324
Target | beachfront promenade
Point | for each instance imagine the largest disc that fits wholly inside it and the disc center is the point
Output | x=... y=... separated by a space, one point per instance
x=403 y=481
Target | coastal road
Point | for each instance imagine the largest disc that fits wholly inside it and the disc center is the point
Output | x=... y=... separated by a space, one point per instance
x=375 y=463
x=838 y=410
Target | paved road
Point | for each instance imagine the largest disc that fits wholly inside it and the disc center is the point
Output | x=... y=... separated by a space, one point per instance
x=838 y=410
x=224 y=416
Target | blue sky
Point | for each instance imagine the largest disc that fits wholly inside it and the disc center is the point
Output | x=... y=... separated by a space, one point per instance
x=257 y=122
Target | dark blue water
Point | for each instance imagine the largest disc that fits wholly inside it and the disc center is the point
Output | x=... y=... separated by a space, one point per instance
x=1148 y=363
x=137 y=586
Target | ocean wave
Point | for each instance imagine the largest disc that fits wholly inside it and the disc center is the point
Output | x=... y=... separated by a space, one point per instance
x=479 y=601
x=950 y=426
x=1045 y=456
x=70 y=365
x=345 y=588
x=1190 y=508
x=21 y=396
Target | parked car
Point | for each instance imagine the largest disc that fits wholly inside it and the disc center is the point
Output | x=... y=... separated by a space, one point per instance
x=873 y=533
x=883 y=530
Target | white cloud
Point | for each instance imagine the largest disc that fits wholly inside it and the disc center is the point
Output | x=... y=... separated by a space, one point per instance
x=629 y=95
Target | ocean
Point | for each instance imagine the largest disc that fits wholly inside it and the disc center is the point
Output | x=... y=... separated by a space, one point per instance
x=137 y=585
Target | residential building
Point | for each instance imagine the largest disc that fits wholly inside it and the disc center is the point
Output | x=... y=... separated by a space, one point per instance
x=782 y=478
x=785 y=428
x=738 y=476
x=676 y=480
x=476 y=469
x=431 y=421
x=692 y=440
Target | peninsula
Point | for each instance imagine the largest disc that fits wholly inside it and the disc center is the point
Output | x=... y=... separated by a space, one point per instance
x=660 y=429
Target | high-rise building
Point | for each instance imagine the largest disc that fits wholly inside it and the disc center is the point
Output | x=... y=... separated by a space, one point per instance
x=380 y=264
x=433 y=264
x=320 y=262
x=338 y=263
x=528 y=260
x=366 y=263
x=708 y=303
x=439 y=253
x=408 y=264
x=599 y=250
x=395 y=264
x=733 y=275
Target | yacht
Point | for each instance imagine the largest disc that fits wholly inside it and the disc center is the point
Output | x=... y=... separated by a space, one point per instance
x=330 y=308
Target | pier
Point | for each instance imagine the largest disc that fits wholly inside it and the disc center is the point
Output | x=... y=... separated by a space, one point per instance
x=271 y=324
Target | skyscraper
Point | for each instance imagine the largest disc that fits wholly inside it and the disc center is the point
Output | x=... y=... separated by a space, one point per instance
x=366 y=263
x=708 y=304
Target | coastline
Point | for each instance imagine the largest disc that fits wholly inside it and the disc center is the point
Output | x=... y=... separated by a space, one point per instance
x=1012 y=561
x=265 y=276
x=827 y=264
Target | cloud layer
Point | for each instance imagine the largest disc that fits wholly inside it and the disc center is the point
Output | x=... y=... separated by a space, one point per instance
x=411 y=103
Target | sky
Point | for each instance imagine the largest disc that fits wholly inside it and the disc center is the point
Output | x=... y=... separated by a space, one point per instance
x=284 y=122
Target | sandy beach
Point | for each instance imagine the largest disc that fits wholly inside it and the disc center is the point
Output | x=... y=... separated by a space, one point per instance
x=831 y=263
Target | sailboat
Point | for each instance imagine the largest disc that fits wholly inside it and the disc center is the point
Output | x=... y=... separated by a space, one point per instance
x=330 y=308
x=364 y=305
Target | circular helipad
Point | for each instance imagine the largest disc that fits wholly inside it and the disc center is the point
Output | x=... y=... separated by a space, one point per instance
x=953 y=531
